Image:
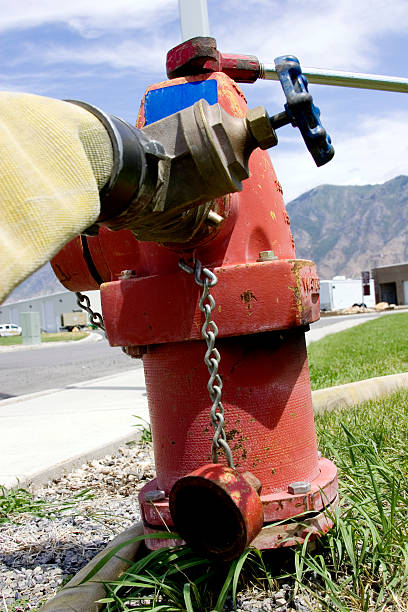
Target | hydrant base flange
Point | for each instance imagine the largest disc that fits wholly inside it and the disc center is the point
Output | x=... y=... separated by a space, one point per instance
x=304 y=513
x=294 y=531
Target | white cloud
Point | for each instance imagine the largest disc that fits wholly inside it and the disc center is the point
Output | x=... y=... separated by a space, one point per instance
x=339 y=34
x=375 y=152
x=125 y=54
x=87 y=16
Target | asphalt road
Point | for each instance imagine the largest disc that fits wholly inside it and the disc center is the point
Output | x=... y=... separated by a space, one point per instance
x=28 y=371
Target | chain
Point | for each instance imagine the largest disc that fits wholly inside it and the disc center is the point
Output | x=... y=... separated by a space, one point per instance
x=84 y=302
x=207 y=279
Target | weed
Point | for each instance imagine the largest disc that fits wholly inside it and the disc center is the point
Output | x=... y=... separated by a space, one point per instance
x=19 y=501
x=145 y=429
x=21 y=605
x=362 y=563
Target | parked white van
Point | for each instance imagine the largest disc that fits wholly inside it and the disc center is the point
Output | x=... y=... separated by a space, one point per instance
x=9 y=329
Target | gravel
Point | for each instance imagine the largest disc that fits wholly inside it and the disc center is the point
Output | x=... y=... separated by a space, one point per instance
x=40 y=554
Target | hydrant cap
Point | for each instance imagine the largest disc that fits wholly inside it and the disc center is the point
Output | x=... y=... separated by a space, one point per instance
x=216 y=511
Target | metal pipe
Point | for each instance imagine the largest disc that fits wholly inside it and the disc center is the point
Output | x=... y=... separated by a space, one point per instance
x=343 y=79
x=193 y=18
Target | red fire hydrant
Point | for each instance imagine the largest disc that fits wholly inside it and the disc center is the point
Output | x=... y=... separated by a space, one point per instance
x=264 y=301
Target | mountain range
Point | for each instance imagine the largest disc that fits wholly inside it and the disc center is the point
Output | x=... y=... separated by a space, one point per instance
x=348 y=229
x=344 y=229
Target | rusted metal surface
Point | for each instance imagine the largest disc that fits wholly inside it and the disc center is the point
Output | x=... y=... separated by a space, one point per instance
x=251 y=298
x=267 y=403
x=200 y=55
x=282 y=505
x=194 y=56
x=135 y=352
x=241 y=68
x=254 y=220
x=216 y=511
x=295 y=530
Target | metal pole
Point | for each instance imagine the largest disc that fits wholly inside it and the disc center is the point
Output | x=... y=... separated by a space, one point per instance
x=344 y=79
x=193 y=19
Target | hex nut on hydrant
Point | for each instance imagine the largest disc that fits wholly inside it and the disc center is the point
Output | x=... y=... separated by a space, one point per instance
x=261 y=128
x=301 y=486
x=155 y=496
x=127 y=274
x=267 y=256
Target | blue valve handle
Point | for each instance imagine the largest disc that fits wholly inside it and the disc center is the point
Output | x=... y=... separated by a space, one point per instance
x=301 y=111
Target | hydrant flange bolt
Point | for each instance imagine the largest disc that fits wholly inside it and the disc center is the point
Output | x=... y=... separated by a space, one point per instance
x=301 y=486
x=127 y=274
x=155 y=496
x=135 y=351
x=214 y=218
x=267 y=256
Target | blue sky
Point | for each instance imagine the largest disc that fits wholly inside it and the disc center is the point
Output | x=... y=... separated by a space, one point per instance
x=107 y=53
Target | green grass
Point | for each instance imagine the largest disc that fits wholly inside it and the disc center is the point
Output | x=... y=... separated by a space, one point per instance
x=20 y=501
x=171 y=579
x=361 y=564
x=57 y=337
x=145 y=430
x=375 y=348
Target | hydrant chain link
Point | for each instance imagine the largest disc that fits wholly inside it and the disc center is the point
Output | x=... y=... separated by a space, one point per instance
x=96 y=318
x=212 y=357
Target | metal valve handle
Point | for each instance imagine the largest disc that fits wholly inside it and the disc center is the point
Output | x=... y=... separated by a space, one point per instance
x=300 y=110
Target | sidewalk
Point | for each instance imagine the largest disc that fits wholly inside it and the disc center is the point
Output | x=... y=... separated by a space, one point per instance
x=44 y=434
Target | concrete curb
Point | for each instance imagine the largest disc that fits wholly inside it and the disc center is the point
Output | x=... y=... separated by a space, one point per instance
x=83 y=598
x=357 y=392
x=37 y=479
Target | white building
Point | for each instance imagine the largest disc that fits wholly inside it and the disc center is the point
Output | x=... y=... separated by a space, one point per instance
x=50 y=308
x=342 y=292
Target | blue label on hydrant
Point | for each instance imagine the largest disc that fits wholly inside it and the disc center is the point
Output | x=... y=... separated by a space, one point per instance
x=166 y=101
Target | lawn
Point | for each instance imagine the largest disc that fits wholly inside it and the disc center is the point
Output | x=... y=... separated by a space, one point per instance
x=57 y=337
x=375 y=348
